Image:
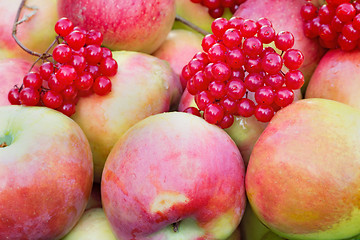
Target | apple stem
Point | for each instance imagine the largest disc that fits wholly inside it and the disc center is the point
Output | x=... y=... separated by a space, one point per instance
x=176 y=226
x=24 y=19
x=191 y=25
x=2 y=145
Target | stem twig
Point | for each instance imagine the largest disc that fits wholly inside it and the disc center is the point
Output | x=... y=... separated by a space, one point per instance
x=191 y=25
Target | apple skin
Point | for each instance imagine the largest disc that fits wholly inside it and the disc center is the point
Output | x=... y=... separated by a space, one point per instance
x=36 y=34
x=46 y=173
x=173 y=167
x=244 y=131
x=13 y=71
x=179 y=48
x=143 y=86
x=309 y=151
x=337 y=77
x=196 y=14
x=93 y=225
x=133 y=25
x=285 y=16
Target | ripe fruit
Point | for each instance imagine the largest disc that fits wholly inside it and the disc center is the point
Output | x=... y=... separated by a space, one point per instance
x=237 y=63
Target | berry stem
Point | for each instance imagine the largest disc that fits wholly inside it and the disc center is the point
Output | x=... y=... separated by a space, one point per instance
x=24 y=19
x=176 y=226
x=191 y=25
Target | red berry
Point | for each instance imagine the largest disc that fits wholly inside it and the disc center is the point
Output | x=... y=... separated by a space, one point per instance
x=62 y=53
x=293 y=59
x=264 y=95
x=32 y=79
x=248 y=28
x=208 y=41
x=326 y=33
x=326 y=13
x=29 y=96
x=52 y=99
x=264 y=113
x=266 y=34
x=235 y=58
x=294 y=79
x=106 y=52
x=200 y=82
x=94 y=70
x=55 y=84
x=336 y=25
x=66 y=74
x=229 y=105
x=350 y=32
x=93 y=54
x=252 y=46
x=94 y=37
x=14 y=96
x=193 y=111
x=284 y=40
x=84 y=81
x=217 y=53
x=216 y=12
x=232 y=38
x=235 y=22
x=108 y=67
x=227 y=121
x=219 y=26
x=63 y=27
x=263 y=22
x=221 y=71
x=203 y=99
x=236 y=89
x=67 y=108
x=194 y=66
x=75 y=40
x=45 y=70
x=272 y=63
x=69 y=93
x=346 y=12
x=284 y=96
x=356 y=22
x=346 y=44
x=217 y=89
x=275 y=81
x=102 y=86
x=213 y=113
x=246 y=107
x=253 y=81
x=211 y=3
x=253 y=65
x=78 y=62
x=308 y=11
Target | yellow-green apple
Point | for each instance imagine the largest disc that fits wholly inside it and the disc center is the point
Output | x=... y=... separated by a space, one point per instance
x=46 y=173
x=337 y=77
x=303 y=178
x=144 y=85
x=179 y=48
x=196 y=14
x=244 y=131
x=13 y=71
x=174 y=176
x=285 y=16
x=134 y=25
x=37 y=33
x=93 y=225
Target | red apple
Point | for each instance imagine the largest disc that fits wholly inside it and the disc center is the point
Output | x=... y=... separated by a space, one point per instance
x=179 y=48
x=93 y=225
x=285 y=16
x=174 y=175
x=46 y=173
x=144 y=85
x=136 y=25
x=13 y=71
x=303 y=178
x=37 y=33
x=337 y=77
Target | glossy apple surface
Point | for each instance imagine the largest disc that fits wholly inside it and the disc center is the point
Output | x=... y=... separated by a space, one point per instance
x=134 y=25
x=143 y=86
x=46 y=173
x=174 y=176
x=337 y=77
x=93 y=225
x=303 y=177
x=13 y=71
x=37 y=33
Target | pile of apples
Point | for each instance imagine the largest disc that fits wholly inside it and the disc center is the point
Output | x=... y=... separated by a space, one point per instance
x=142 y=163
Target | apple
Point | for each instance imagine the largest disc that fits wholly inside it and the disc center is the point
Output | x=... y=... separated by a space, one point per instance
x=303 y=178
x=144 y=85
x=174 y=176
x=46 y=173
x=13 y=71
x=337 y=78
x=93 y=225
x=179 y=48
x=196 y=14
x=37 y=33
x=244 y=131
x=285 y=16
x=134 y=25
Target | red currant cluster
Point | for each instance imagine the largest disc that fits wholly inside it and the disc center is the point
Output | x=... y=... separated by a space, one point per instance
x=235 y=65
x=217 y=7
x=336 y=24
x=81 y=67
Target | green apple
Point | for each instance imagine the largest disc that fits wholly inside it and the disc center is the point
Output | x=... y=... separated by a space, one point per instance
x=46 y=173
x=93 y=225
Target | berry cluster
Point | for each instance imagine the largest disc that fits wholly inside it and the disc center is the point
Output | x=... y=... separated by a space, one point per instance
x=80 y=67
x=235 y=64
x=336 y=24
x=217 y=7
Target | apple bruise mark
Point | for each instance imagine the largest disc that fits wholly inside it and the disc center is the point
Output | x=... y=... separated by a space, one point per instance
x=2 y=145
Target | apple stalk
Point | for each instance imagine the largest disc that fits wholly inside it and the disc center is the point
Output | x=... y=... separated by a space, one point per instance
x=191 y=25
